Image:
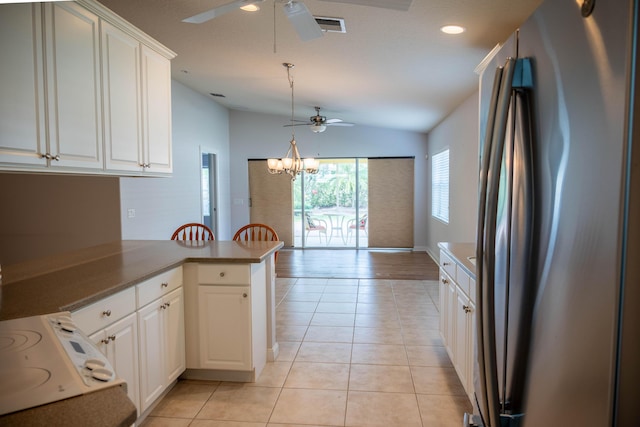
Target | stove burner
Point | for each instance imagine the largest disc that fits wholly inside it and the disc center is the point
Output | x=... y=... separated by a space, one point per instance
x=21 y=380
x=18 y=340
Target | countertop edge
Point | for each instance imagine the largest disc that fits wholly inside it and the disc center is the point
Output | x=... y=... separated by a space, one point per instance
x=461 y=252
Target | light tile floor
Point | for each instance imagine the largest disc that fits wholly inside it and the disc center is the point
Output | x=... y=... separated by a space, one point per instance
x=353 y=352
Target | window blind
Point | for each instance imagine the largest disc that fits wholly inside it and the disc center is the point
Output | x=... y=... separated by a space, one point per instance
x=440 y=186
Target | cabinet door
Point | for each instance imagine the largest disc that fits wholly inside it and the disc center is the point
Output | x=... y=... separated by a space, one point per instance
x=461 y=351
x=444 y=305
x=151 y=348
x=22 y=118
x=73 y=86
x=122 y=352
x=174 y=334
x=224 y=314
x=451 y=323
x=156 y=111
x=122 y=109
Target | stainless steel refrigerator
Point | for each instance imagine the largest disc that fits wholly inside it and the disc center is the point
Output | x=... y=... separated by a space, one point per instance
x=558 y=332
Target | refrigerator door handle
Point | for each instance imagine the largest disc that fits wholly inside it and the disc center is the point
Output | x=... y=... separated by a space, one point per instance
x=486 y=314
x=482 y=198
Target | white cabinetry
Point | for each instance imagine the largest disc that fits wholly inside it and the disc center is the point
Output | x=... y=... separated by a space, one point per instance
x=156 y=103
x=137 y=104
x=162 y=336
x=457 y=318
x=225 y=318
x=111 y=324
x=66 y=65
x=230 y=316
x=61 y=88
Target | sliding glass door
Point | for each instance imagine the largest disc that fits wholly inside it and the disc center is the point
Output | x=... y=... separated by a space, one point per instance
x=331 y=207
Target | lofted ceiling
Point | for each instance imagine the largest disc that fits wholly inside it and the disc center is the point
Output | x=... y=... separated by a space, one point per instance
x=391 y=68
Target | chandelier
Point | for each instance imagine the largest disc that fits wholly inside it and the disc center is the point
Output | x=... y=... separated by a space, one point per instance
x=291 y=163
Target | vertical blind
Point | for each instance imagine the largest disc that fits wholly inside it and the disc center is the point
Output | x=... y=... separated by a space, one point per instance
x=391 y=202
x=440 y=185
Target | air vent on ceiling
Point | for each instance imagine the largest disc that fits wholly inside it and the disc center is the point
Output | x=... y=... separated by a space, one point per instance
x=331 y=25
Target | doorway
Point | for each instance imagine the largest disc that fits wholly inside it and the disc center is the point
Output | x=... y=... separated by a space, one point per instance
x=331 y=207
x=208 y=174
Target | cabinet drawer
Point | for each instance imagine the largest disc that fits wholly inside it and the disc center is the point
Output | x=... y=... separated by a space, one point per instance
x=472 y=290
x=448 y=265
x=224 y=274
x=157 y=286
x=463 y=280
x=106 y=311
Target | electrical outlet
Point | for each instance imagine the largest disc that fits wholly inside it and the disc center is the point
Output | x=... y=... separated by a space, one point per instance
x=131 y=213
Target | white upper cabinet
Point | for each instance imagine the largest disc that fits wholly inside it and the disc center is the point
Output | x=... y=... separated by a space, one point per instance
x=156 y=97
x=73 y=86
x=22 y=119
x=82 y=91
x=122 y=104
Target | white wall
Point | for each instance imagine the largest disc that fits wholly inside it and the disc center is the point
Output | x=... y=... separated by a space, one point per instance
x=459 y=133
x=199 y=124
x=255 y=136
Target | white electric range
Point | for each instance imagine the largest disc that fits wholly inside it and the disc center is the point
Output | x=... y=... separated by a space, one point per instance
x=44 y=359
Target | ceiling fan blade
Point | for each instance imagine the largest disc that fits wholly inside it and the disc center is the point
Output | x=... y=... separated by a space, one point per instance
x=340 y=123
x=333 y=121
x=385 y=4
x=302 y=20
x=217 y=11
x=298 y=124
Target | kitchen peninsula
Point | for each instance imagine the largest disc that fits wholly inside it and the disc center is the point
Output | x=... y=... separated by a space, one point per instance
x=154 y=286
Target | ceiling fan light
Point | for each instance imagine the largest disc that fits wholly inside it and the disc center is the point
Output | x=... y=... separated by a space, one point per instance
x=250 y=8
x=317 y=128
x=452 y=29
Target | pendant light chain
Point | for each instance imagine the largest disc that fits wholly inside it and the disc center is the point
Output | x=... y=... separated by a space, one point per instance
x=291 y=163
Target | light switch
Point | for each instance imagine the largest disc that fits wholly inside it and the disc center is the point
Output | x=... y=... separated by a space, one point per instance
x=131 y=213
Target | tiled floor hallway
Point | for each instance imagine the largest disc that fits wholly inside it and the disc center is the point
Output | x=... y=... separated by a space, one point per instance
x=353 y=352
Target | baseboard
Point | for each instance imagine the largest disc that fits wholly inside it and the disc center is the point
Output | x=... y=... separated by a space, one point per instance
x=219 y=375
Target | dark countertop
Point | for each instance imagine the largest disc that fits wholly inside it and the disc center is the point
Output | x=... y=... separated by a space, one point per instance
x=73 y=280
x=461 y=252
x=106 y=408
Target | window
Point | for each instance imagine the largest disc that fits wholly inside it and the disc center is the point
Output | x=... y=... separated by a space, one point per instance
x=440 y=185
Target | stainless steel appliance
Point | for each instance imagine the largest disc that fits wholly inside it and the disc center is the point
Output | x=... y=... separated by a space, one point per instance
x=557 y=246
x=44 y=359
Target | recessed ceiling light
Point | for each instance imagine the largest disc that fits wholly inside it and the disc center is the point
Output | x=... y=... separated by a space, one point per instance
x=452 y=29
x=250 y=8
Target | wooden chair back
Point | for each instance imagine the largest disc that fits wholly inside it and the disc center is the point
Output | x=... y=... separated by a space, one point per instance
x=257 y=232
x=193 y=231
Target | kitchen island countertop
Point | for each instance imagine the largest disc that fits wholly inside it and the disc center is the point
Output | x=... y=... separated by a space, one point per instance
x=70 y=281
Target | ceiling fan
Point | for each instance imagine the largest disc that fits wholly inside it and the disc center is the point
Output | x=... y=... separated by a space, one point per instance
x=299 y=15
x=319 y=123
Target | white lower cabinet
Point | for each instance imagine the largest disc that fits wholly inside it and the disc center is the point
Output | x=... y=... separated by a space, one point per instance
x=225 y=326
x=119 y=342
x=111 y=324
x=227 y=306
x=162 y=356
x=457 y=318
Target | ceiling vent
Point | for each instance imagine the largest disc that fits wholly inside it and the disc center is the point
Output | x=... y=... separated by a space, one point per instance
x=331 y=25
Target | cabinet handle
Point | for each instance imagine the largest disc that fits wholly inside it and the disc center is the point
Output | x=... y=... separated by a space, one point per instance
x=105 y=341
x=444 y=264
x=164 y=284
x=466 y=308
x=445 y=281
x=111 y=338
x=244 y=295
x=222 y=274
x=168 y=304
x=106 y=313
x=56 y=157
